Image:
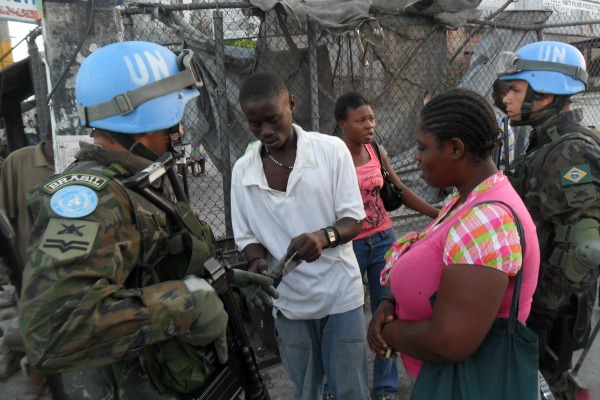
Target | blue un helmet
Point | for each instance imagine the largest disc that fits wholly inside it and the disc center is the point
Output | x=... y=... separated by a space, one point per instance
x=135 y=87
x=549 y=67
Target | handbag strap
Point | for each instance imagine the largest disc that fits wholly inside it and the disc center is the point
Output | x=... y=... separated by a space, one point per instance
x=514 y=305
x=375 y=147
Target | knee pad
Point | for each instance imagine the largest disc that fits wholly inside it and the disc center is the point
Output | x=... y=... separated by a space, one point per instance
x=577 y=250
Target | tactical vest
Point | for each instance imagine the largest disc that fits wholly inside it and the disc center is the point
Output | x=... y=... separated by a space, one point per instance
x=166 y=254
x=525 y=169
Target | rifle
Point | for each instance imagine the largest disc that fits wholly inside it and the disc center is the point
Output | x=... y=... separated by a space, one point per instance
x=586 y=350
x=502 y=147
x=505 y=139
x=545 y=390
x=241 y=372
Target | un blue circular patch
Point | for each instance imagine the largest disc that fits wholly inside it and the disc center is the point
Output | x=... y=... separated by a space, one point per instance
x=74 y=201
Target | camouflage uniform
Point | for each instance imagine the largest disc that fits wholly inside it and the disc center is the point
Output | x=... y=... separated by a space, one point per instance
x=90 y=297
x=559 y=184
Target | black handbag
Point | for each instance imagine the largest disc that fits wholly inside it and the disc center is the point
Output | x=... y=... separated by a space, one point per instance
x=505 y=366
x=390 y=194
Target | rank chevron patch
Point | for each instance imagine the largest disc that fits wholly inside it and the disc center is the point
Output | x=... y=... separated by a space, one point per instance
x=67 y=238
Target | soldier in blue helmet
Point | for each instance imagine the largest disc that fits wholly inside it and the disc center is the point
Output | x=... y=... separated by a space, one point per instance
x=558 y=178
x=113 y=292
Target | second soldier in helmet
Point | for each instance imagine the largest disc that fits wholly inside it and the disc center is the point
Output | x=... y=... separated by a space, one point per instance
x=559 y=180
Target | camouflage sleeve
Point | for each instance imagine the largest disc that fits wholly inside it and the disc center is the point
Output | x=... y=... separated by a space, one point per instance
x=570 y=183
x=75 y=311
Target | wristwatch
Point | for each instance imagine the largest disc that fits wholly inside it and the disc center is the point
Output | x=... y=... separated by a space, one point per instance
x=330 y=233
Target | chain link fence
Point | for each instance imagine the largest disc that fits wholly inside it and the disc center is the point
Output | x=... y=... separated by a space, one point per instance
x=416 y=59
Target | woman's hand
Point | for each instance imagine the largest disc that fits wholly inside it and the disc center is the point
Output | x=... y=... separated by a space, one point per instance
x=385 y=313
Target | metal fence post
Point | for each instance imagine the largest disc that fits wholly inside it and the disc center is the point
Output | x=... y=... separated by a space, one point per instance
x=313 y=78
x=128 y=27
x=221 y=100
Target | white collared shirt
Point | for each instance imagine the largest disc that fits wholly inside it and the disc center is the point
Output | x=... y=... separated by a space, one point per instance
x=321 y=189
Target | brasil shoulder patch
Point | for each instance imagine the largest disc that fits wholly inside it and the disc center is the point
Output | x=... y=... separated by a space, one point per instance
x=93 y=181
x=575 y=174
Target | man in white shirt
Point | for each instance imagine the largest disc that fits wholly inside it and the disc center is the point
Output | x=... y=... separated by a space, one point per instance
x=295 y=195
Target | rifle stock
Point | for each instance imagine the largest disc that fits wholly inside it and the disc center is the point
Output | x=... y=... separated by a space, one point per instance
x=242 y=360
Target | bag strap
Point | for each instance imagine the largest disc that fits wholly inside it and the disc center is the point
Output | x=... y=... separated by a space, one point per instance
x=514 y=305
x=375 y=147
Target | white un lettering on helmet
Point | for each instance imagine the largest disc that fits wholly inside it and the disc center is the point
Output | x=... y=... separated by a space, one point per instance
x=553 y=53
x=139 y=73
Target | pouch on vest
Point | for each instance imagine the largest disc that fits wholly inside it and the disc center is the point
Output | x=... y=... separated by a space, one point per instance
x=177 y=365
x=173 y=363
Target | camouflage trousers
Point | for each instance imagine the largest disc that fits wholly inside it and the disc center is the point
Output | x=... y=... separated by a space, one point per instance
x=561 y=316
x=128 y=382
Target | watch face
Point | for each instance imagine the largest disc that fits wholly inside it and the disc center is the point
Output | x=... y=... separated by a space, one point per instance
x=331 y=235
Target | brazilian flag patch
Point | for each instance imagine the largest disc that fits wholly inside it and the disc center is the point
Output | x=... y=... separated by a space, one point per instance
x=575 y=174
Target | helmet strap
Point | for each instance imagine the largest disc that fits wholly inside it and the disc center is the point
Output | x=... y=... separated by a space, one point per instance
x=526 y=107
x=133 y=145
x=176 y=144
x=550 y=111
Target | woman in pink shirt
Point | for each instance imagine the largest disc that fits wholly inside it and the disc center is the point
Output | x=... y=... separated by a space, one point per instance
x=470 y=254
x=356 y=120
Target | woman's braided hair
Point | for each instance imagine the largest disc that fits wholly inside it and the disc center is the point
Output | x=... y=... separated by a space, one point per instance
x=463 y=114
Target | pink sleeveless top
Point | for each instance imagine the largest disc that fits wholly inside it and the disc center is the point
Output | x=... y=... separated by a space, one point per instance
x=369 y=182
x=484 y=236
